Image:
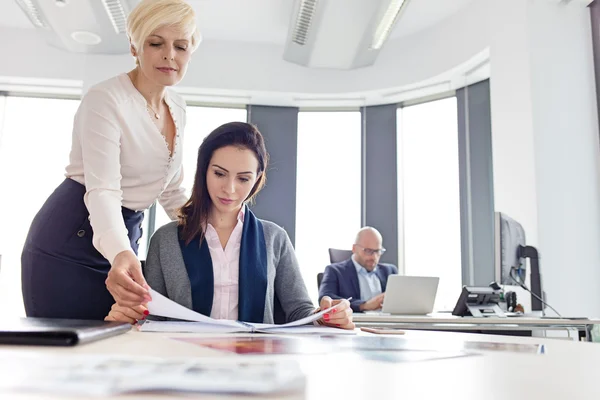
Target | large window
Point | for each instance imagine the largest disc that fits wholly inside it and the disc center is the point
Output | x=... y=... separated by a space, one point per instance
x=200 y=122
x=429 y=187
x=35 y=141
x=328 y=193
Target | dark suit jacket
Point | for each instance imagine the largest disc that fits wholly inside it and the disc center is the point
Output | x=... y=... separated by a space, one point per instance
x=340 y=280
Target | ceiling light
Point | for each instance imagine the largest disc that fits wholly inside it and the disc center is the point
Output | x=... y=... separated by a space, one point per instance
x=85 y=37
x=32 y=12
x=117 y=15
x=387 y=22
x=304 y=19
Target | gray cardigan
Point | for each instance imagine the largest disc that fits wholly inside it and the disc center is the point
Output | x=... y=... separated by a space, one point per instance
x=166 y=273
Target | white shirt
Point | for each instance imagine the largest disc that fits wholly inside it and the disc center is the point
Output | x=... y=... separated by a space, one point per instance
x=369 y=283
x=226 y=270
x=121 y=157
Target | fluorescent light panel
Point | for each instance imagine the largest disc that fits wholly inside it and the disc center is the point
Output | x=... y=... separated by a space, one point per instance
x=117 y=15
x=32 y=12
x=387 y=23
x=304 y=19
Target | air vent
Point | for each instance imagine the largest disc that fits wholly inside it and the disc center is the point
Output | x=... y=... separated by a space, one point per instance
x=117 y=15
x=32 y=12
x=306 y=14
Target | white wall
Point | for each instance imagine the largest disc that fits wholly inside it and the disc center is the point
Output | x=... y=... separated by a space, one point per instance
x=565 y=127
x=545 y=143
x=512 y=125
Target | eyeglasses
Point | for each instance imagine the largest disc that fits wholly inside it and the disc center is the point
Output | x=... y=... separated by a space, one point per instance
x=371 y=252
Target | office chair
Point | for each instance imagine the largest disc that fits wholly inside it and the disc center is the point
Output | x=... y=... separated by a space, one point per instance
x=319 y=280
x=337 y=255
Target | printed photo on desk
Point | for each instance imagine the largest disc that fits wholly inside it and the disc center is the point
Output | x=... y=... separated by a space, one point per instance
x=85 y=375
x=262 y=345
x=449 y=344
x=390 y=349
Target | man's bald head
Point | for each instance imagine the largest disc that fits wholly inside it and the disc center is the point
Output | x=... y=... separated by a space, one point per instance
x=368 y=233
x=367 y=240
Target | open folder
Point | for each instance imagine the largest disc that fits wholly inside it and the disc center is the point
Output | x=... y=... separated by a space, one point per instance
x=196 y=322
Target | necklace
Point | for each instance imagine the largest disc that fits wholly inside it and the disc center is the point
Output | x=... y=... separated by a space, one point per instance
x=156 y=115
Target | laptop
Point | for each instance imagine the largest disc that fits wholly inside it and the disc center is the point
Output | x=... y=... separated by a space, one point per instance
x=57 y=332
x=410 y=295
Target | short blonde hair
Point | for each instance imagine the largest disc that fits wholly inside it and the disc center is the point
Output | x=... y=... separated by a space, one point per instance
x=150 y=15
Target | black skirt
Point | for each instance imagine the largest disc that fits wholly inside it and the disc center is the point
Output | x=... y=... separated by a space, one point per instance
x=62 y=273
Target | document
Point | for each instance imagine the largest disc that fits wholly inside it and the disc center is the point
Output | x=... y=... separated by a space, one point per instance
x=164 y=307
x=97 y=375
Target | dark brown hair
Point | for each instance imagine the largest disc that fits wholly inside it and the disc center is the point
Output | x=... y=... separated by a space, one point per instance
x=193 y=216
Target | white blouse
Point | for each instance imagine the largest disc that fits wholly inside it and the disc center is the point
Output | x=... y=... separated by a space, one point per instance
x=121 y=157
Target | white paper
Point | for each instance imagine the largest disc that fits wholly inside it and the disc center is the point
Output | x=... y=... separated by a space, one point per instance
x=188 y=327
x=99 y=375
x=308 y=329
x=304 y=321
x=164 y=307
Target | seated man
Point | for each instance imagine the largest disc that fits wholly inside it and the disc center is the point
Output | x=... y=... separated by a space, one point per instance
x=360 y=277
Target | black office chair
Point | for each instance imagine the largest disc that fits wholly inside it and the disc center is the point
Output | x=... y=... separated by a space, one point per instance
x=319 y=280
x=337 y=255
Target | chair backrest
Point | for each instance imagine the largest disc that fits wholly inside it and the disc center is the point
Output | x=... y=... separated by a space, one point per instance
x=319 y=280
x=337 y=255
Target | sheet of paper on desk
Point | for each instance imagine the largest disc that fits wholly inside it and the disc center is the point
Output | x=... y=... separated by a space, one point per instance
x=164 y=307
x=107 y=375
x=198 y=327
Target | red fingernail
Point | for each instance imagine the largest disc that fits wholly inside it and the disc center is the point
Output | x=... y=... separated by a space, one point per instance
x=326 y=317
x=146 y=312
x=334 y=310
x=337 y=325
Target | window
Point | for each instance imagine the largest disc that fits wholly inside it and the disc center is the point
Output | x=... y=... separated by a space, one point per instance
x=200 y=122
x=428 y=178
x=328 y=191
x=35 y=141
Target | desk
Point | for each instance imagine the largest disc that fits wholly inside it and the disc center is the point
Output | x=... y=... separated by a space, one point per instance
x=567 y=370
x=446 y=322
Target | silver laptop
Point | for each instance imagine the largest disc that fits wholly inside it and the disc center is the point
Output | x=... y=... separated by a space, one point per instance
x=410 y=295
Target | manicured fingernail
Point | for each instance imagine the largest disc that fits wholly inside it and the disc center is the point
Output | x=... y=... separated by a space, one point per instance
x=146 y=312
x=337 y=325
x=334 y=310
x=326 y=317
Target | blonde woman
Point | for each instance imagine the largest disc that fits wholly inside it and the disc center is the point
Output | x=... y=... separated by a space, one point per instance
x=125 y=155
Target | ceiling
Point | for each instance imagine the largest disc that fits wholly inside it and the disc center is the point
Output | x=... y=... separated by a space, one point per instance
x=266 y=20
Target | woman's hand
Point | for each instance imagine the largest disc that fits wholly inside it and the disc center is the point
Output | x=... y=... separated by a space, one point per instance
x=127 y=314
x=340 y=316
x=125 y=281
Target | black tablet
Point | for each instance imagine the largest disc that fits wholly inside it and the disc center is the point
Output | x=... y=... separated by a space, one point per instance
x=57 y=332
